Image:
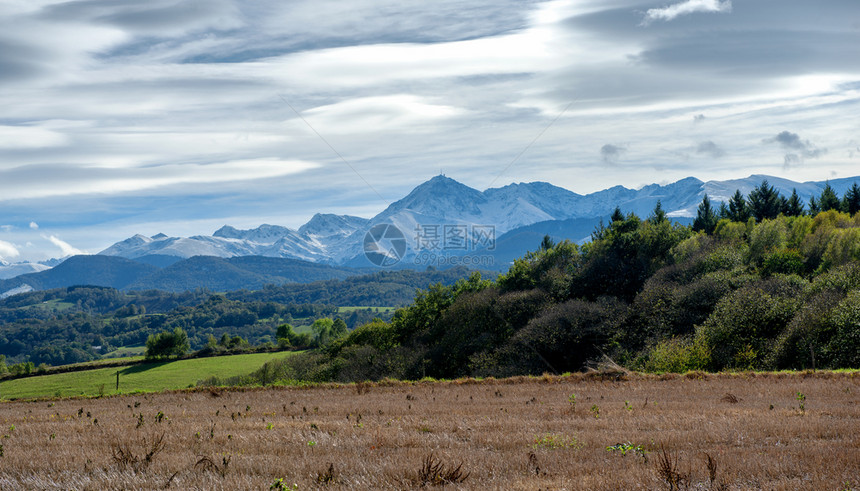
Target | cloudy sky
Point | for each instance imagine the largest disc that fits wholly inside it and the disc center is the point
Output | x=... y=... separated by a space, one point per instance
x=124 y=117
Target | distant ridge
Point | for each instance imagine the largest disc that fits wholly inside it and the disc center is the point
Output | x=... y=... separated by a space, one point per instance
x=214 y=273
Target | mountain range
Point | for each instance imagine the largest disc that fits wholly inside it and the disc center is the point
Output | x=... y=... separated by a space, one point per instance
x=442 y=201
x=442 y=222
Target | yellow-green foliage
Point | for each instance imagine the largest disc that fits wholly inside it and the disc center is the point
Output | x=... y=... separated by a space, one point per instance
x=768 y=236
x=843 y=247
x=826 y=227
x=730 y=231
x=688 y=248
x=797 y=230
x=678 y=355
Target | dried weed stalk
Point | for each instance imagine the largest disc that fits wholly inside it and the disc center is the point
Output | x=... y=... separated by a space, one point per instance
x=125 y=457
x=668 y=470
x=434 y=472
x=207 y=464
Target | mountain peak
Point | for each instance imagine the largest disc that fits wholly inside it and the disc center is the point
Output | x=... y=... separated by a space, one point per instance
x=440 y=196
x=442 y=182
x=265 y=233
x=329 y=224
x=226 y=231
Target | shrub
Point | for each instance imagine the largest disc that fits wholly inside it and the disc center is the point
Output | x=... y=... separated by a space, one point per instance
x=730 y=231
x=562 y=338
x=678 y=355
x=724 y=258
x=802 y=343
x=167 y=343
x=377 y=333
x=843 y=279
x=767 y=236
x=664 y=309
x=549 y=268
x=783 y=261
x=740 y=331
x=843 y=348
x=843 y=248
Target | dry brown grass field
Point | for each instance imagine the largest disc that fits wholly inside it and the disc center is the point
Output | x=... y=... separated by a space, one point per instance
x=771 y=431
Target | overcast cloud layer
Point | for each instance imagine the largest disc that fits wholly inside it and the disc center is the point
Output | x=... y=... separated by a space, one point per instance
x=180 y=116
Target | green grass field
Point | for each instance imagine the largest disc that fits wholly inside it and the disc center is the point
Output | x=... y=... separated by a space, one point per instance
x=126 y=351
x=51 y=305
x=381 y=310
x=148 y=377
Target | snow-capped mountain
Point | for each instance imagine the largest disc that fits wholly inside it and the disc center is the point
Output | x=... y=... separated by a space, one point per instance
x=329 y=226
x=264 y=234
x=442 y=201
x=199 y=245
x=311 y=242
x=11 y=270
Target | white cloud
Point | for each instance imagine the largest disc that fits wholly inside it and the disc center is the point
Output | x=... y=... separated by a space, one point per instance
x=8 y=250
x=65 y=248
x=16 y=137
x=374 y=65
x=64 y=181
x=685 y=8
x=402 y=112
x=34 y=225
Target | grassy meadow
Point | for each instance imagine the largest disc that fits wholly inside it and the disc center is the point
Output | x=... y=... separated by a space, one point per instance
x=738 y=431
x=148 y=377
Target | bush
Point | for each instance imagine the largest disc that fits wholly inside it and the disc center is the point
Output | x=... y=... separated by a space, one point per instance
x=724 y=258
x=549 y=268
x=741 y=330
x=166 y=344
x=766 y=237
x=377 y=333
x=783 y=261
x=563 y=338
x=843 y=348
x=678 y=355
x=664 y=309
x=843 y=248
x=844 y=279
x=808 y=334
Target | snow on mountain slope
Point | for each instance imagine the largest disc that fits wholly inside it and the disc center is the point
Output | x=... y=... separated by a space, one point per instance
x=140 y=245
x=552 y=201
x=442 y=200
x=311 y=243
x=326 y=225
x=11 y=270
x=132 y=246
x=296 y=246
x=264 y=234
x=441 y=197
x=14 y=291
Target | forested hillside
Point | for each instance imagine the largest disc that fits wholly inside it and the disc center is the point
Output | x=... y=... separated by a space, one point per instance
x=64 y=325
x=761 y=283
